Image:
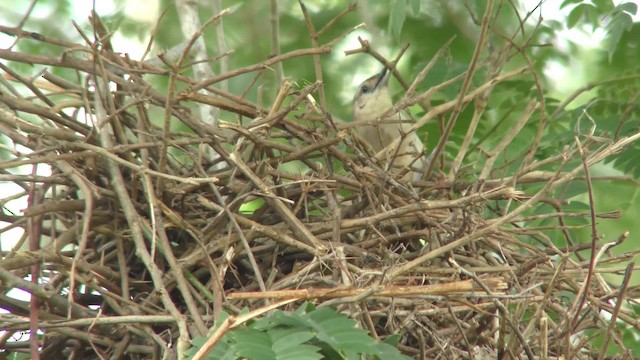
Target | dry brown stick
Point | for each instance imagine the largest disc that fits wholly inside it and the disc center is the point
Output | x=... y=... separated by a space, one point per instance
x=604 y=302
x=614 y=314
x=365 y=47
x=583 y=294
x=588 y=87
x=448 y=106
x=219 y=102
x=232 y=322
x=60 y=206
x=34 y=231
x=155 y=226
x=31 y=85
x=628 y=111
x=267 y=231
x=166 y=121
x=565 y=231
x=411 y=90
x=457 y=109
x=552 y=184
x=71 y=88
x=88 y=67
x=294 y=153
x=264 y=64
x=316 y=57
x=561 y=214
x=352 y=6
x=503 y=311
x=506 y=139
x=142 y=170
x=90 y=338
x=89 y=192
x=16 y=31
x=243 y=239
x=440 y=311
x=531 y=151
x=461 y=331
x=46 y=295
x=460 y=288
x=301 y=154
x=52 y=254
x=193 y=29
x=15 y=103
x=282 y=94
x=510 y=238
x=133 y=220
x=235 y=100
x=35 y=178
x=279 y=115
x=102 y=320
x=51 y=157
x=429 y=205
x=83 y=66
x=541 y=305
x=296 y=225
x=479 y=108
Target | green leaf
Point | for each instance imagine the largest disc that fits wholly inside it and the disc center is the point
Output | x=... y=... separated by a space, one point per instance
x=569 y=2
x=578 y=13
x=341 y=332
x=325 y=325
x=253 y=344
x=629 y=7
x=620 y=23
x=603 y=6
x=415 y=6
x=224 y=350
x=290 y=344
x=387 y=351
x=392 y=340
x=397 y=18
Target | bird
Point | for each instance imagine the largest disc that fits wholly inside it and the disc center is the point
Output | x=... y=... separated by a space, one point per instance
x=371 y=101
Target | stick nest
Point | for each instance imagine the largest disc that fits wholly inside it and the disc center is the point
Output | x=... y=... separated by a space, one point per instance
x=141 y=213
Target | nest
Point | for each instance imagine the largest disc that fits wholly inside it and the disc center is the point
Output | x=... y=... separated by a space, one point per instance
x=160 y=230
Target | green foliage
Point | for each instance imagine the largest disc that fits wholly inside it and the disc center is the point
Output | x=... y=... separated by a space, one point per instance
x=628 y=337
x=610 y=115
x=307 y=333
x=397 y=17
x=617 y=18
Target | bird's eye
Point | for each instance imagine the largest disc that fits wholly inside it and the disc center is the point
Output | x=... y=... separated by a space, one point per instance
x=365 y=89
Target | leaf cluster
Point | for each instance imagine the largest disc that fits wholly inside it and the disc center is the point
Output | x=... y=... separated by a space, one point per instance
x=306 y=333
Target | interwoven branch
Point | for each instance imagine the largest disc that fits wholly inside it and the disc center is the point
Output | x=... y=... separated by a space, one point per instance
x=140 y=221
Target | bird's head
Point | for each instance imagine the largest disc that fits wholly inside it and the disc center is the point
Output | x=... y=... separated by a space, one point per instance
x=372 y=98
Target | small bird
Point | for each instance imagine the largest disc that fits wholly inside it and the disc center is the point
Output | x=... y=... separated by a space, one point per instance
x=371 y=101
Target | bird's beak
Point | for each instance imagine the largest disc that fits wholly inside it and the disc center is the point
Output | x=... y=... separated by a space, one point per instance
x=383 y=79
